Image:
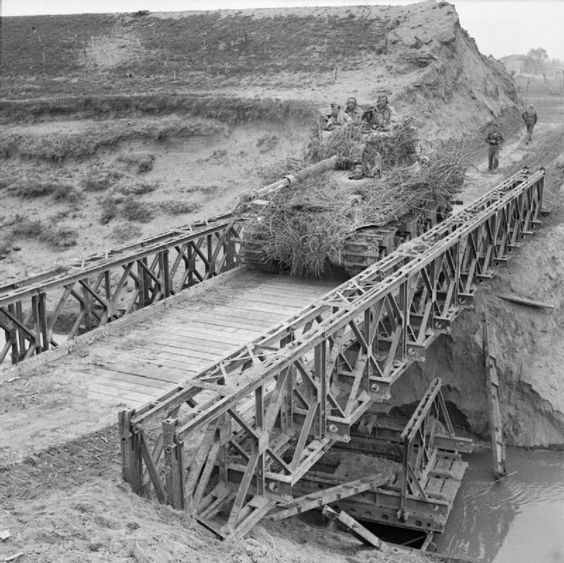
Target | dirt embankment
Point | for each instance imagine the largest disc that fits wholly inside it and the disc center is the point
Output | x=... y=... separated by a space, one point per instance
x=526 y=342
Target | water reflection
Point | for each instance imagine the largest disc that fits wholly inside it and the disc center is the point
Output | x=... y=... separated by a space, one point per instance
x=518 y=519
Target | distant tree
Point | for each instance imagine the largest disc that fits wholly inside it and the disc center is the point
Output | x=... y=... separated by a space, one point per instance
x=536 y=60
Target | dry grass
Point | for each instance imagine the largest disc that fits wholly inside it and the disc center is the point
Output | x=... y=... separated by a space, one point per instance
x=396 y=147
x=80 y=144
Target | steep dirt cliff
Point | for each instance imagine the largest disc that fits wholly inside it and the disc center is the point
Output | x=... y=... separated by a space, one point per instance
x=525 y=341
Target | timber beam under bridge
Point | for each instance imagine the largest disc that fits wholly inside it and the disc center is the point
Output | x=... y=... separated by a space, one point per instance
x=234 y=443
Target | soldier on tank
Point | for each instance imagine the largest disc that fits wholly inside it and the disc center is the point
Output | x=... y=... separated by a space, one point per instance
x=379 y=117
x=494 y=140
x=530 y=118
x=352 y=110
x=336 y=118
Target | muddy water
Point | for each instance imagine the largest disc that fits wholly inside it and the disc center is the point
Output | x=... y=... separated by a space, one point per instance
x=519 y=519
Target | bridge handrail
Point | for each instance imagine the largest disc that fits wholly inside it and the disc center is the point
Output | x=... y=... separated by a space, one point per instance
x=97 y=262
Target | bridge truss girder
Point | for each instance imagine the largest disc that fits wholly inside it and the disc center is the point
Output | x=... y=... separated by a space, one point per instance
x=232 y=443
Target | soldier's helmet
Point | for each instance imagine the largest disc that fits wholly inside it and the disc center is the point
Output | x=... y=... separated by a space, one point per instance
x=351 y=101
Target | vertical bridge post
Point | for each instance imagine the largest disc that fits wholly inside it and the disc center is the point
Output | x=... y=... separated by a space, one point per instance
x=496 y=424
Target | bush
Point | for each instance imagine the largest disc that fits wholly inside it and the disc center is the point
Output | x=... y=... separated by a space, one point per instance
x=30 y=188
x=60 y=236
x=138 y=188
x=141 y=163
x=125 y=231
x=267 y=143
x=173 y=207
x=100 y=180
x=25 y=227
x=5 y=248
x=110 y=207
x=68 y=193
x=134 y=210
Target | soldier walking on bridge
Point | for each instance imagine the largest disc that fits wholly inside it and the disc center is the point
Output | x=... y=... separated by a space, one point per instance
x=494 y=139
x=530 y=118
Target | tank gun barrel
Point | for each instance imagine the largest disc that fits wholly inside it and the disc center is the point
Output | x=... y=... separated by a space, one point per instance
x=314 y=170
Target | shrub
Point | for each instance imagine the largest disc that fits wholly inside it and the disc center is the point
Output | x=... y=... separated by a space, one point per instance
x=30 y=188
x=140 y=162
x=110 y=207
x=267 y=143
x=5 y=248
x=68 y=193
x=138 y=188
x=125 y=231
x=173 y=207
x=60 y=236
x=134 y=210
x=25 y=227
x=100 y=180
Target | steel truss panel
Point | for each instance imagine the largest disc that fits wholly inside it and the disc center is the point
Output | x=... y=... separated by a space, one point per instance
x=104 y=288
x=268 y=412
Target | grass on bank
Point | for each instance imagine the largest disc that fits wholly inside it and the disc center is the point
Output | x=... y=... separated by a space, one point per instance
x=83 y=143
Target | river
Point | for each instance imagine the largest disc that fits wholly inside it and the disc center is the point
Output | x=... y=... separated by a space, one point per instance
x=519 y=519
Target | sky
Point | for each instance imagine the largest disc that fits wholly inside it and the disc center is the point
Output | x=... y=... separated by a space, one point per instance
x=500 y=27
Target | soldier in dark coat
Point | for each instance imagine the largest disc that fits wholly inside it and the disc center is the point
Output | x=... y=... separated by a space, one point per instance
x=494 y=140
x=530 y=118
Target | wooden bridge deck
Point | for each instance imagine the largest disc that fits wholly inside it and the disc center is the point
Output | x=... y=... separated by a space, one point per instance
x=174 y=344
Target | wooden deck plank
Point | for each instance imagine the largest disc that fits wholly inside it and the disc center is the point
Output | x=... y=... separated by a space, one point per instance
x=143 y=377
x=131 y=381
x=135 y=365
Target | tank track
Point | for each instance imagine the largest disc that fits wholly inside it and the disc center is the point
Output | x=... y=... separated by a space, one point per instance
x=367 y=245
x=253 y=255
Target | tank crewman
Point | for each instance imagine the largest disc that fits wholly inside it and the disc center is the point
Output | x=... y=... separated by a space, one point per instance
x=530 y=118
x=336 y=118
x=380 y=116
x=352 y=109
x=494 y=140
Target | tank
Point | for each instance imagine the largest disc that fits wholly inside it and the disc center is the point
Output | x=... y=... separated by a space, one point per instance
x=317 y=219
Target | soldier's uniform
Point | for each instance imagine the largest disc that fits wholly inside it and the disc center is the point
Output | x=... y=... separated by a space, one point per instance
x=352 y=110
x=379 y=116
x=494 y=139
x=336 y=118
x=530 y=118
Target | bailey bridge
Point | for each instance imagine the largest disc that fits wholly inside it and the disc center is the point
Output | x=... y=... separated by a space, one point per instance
x=250 y=397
